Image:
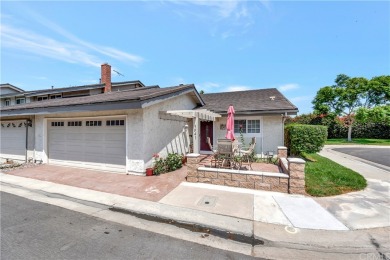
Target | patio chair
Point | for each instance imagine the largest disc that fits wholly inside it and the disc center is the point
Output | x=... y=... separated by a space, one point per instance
x=225 y=153
x=214 y=158
x=246 y=154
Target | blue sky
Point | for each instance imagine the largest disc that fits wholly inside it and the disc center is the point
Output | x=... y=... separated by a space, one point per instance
x=297 y=47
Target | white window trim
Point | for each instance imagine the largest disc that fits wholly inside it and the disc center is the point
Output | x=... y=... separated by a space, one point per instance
x=7 y=100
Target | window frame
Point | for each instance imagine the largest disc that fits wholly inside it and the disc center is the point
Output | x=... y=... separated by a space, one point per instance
x=246 y=125
x=42 y=98
x=55 y=96
x=115 y=122
x=17 y=101
x=94 y=123
x=7 y=102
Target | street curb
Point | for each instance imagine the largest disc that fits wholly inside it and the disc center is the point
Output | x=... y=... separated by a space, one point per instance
x=223 y=226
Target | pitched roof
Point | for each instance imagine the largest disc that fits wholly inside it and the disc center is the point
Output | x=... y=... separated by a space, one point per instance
x=140 y=94
x=255 y=101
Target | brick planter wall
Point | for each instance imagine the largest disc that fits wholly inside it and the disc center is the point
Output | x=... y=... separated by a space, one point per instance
x=292 y=180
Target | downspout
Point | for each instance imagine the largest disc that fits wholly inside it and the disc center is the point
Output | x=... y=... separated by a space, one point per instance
x=28 y=122
x=283 y=120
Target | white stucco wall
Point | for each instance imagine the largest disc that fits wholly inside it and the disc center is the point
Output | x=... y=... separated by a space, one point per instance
x=135 y=142
x=164 y=136
x=40 y=139
x=272 y=133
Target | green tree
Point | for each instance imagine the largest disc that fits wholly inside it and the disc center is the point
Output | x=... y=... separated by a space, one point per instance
x=377 y=91
x=345 y=97
x=378 y=114
x=201 y=92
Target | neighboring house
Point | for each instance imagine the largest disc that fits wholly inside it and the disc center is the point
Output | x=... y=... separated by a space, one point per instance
x=119 y=126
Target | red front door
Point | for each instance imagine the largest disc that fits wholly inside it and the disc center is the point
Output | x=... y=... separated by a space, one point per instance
x=206 y=130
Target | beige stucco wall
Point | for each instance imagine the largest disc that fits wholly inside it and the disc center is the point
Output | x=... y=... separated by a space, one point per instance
x=270 y=136
x=220 y=133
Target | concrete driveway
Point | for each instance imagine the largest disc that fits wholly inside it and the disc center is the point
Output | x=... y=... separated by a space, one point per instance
x=363 y=209
x=151 y=188
x=376 y=155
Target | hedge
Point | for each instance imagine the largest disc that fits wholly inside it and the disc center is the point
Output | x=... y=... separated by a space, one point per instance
x=305 y=138
x=338 y=130
x=367 y=130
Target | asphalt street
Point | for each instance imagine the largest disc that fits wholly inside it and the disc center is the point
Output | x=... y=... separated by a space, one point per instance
x=376 y=155
x=34 y=230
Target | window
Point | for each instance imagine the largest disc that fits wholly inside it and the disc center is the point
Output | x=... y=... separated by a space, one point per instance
x=57 y=123
x=7 y=102
x=248 y=126
x=253 y=126
x=74 y=123
x=42 y=98
x=55 y=96
x=115 y=122
x=93 y=123
x=20 y=101
x=239 y=124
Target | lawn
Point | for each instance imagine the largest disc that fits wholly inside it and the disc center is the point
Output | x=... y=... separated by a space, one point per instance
x=359 y=141
x=327 y=178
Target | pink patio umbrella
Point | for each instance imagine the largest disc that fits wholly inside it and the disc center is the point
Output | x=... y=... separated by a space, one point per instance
x=230 y=124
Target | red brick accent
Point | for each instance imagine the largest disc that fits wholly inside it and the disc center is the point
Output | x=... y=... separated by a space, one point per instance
x=106 y=77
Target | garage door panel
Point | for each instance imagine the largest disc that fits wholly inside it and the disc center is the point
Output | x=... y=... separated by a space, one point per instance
x=13 y=140
x=94 y=147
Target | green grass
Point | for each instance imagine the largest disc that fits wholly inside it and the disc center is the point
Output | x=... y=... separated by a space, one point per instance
x=327 y=178
x=359 y=141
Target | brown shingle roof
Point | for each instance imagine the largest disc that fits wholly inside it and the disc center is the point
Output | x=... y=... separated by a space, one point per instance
x=259 y=100
x=139 y=94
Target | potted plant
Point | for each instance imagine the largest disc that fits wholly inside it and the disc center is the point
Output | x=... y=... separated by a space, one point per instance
x=149 y=171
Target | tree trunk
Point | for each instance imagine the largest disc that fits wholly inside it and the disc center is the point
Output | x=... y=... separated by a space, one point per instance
x=350 y=133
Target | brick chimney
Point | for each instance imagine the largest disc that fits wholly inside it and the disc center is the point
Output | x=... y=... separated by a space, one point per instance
x=106 y=77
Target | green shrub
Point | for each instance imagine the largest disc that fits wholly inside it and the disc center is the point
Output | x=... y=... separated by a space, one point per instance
x=169 y=164
x=173 y=162
x=305 y=138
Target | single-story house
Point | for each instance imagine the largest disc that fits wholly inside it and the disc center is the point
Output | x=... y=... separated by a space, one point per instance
x=118 y=126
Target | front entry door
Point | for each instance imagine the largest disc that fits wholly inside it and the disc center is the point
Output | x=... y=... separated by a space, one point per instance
x=206 y=130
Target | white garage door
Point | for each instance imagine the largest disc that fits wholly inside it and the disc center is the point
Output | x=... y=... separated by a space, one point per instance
x=88 y=143
x=13 y=140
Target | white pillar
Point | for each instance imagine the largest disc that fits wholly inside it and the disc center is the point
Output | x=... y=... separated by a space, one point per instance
x=196 y=133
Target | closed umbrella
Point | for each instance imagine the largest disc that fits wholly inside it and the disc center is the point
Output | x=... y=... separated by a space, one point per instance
x=230 y=124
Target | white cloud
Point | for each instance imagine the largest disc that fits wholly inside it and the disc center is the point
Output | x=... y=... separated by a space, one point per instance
x=287 y=87
x=226 y=18
x=237 y=88
x=44 y=46
x=301 y=98
x=74 y=50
